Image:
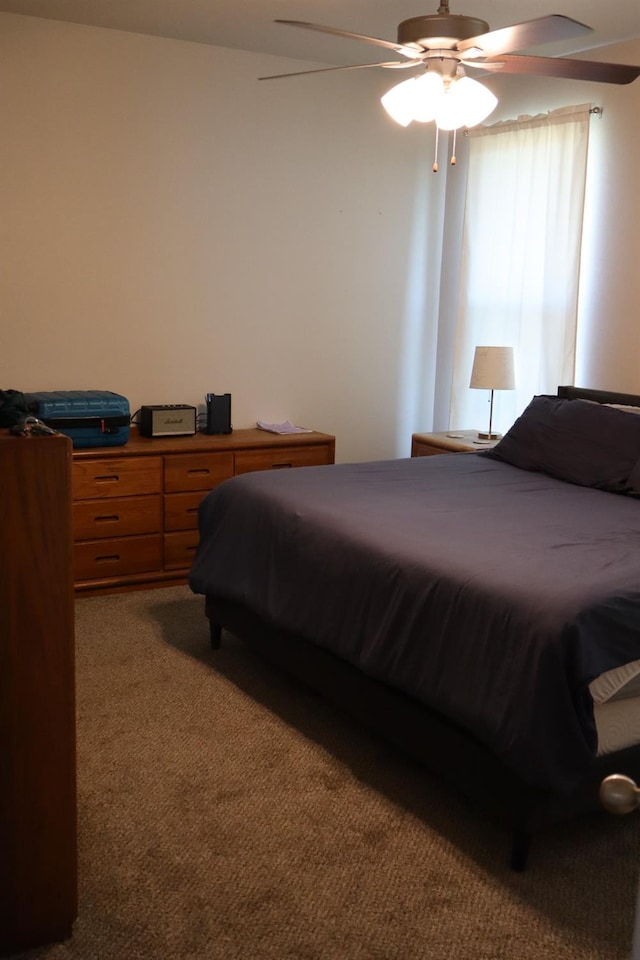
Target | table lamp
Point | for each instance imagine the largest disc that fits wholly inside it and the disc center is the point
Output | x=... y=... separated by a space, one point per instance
x=492 y=370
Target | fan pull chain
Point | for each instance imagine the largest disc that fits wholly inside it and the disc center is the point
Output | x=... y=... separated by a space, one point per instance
x=453 y=160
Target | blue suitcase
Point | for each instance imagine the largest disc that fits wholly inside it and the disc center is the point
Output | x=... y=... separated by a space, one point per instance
x=92 y=418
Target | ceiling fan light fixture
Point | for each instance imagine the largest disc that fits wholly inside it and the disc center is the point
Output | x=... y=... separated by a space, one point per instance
x=465 y=103
x=459 y=102
x=399 y=101
x=427 y=96
x=415 y=99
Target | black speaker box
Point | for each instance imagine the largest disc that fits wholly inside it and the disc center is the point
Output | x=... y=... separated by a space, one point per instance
x=218 y=413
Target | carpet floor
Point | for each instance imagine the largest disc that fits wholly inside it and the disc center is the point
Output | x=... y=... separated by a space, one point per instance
x=227 y=812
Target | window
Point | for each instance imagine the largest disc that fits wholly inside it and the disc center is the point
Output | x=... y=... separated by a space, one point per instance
x=520 y=261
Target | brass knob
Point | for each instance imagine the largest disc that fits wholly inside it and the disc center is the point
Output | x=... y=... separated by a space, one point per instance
x=619 y=794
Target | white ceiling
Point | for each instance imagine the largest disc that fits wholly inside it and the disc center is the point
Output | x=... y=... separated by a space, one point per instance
x=248 y=24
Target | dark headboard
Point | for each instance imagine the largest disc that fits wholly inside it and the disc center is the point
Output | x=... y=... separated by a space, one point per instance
x=599 y=396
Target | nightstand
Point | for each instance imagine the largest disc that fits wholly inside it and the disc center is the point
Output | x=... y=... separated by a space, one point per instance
x=451 y=441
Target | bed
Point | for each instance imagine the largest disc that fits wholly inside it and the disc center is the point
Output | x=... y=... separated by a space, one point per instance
x=479 y=611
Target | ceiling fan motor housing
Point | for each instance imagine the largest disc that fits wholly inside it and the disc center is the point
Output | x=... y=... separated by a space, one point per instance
x=447 y=29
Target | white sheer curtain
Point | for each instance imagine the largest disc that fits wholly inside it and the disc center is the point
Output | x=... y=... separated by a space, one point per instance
x=521 y=258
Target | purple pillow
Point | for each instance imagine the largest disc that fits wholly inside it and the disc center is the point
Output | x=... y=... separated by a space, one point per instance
x=581 y=442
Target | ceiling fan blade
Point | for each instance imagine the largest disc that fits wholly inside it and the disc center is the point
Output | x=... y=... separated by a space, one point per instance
x=406 y=51
x=395 y=64
x=564 y=68
x=529 y=33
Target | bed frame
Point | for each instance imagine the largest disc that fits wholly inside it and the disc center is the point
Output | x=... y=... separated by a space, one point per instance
x=420 y=732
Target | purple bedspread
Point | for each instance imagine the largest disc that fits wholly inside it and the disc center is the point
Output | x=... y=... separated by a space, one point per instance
x=492 y=594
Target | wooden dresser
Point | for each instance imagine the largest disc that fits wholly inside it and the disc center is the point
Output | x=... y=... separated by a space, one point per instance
x=38 y=849
x=135 y=507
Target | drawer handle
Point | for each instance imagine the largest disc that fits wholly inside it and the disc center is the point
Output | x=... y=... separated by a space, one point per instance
x=112 y=519
x=192 y=509
x=199 y=471
x=112 y=558
x=281 y=466
x=107 y=479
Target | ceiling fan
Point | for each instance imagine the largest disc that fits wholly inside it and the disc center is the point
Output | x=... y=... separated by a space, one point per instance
x=444 y=44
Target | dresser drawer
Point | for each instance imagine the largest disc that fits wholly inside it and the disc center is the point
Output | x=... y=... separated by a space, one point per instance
x=98 y=559
x=180 y=549
x=124 y=517
x=91 y=479
x=181 y=510
x=280 y=458
x=196 y=471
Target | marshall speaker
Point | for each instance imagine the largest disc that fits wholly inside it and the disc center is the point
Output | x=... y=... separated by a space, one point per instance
x=218 y=413
x=172 y=420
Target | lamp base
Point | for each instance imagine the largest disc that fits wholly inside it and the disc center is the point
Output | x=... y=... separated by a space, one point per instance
x=489 y=436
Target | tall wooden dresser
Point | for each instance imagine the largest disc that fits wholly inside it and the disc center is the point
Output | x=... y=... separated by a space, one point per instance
x=38 y=849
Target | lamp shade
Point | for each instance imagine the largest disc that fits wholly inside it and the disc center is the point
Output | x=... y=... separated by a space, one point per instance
x=493 y=369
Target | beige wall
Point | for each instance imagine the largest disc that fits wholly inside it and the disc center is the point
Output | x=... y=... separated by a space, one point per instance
x=171 y=227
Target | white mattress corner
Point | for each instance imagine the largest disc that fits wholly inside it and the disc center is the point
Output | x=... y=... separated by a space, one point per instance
x=619 y=684
x=616 y=707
